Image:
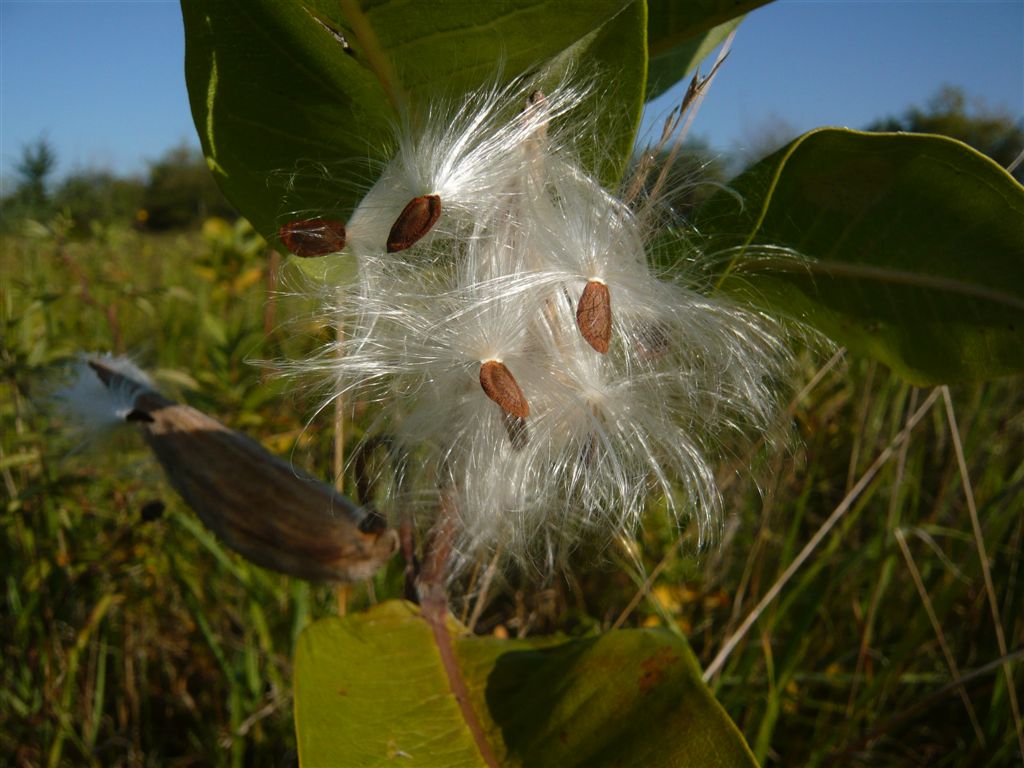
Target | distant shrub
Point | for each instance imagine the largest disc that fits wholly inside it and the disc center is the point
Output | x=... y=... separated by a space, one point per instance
x=99 y=197
x=181 y=192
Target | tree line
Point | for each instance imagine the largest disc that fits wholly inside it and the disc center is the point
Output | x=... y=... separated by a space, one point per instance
x=178 y=191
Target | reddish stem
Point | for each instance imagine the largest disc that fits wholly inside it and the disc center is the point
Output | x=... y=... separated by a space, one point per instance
x=434 y=609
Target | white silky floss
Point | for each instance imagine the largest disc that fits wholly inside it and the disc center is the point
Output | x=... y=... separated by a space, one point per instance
x=91 y=406
x=523 y=350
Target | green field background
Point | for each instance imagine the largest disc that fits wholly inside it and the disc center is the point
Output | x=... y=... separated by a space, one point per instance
x=132 y=638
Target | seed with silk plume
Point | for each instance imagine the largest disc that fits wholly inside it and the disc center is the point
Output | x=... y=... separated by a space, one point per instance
x=508 y=322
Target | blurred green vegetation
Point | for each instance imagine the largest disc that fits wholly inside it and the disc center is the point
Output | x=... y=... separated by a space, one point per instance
x=131 y=637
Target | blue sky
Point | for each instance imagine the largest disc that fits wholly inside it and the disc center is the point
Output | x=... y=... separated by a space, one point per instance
x=104 y=83
x=808 y=63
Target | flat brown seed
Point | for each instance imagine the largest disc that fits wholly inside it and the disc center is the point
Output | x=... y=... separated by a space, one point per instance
x=500 y=385
x=517 y=432
x=313 y=237
x=594 y=315
x=414 y=222
x=652 y=343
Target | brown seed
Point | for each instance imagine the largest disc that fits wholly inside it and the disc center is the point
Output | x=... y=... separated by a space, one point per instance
x=500 y=385
x=594 y=315
x=313 y=237
x=652 y=343
x=414 y=222
x=517 y=432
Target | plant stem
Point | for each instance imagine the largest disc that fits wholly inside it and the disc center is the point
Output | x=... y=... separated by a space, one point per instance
x=434 y=609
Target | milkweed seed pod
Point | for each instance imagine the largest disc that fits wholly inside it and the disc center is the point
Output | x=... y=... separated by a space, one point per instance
x=257 y=504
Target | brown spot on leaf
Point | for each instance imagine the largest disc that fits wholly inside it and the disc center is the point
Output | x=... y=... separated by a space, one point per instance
x=414 y=222
x=313 y=237
x=594 y=315
x=652 y=670
x=500 y=385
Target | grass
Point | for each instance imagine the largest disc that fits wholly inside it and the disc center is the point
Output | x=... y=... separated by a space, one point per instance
x=131 y=637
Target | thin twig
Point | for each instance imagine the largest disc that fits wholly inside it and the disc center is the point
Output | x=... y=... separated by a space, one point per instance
x=646 y=587
x=986 y=571
x=672 y=132
x=342 y=596
x=821 y=533
x=695 y=97
x=470 y=589
x=339 y=419
x=1013 y=166
x=343 y=593
x=485 y=584
x=273 y=705
x=12 y=489
x=838 y=355
x=876 y=595
x=339 y=443
x=915 y=574
x=928 y=701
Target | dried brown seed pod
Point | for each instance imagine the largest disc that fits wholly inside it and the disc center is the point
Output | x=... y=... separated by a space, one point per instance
x=313 y=237
x=500 y=385
x=414 y=222
x=259 y=505
x=594 y=315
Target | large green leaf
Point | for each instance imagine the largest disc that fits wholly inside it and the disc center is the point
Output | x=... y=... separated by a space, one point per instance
x=911 y=249
x=370 y=690
x=289 y=114
x=681 y=35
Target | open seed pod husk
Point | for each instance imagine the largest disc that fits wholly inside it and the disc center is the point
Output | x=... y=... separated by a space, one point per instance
x=257 y=504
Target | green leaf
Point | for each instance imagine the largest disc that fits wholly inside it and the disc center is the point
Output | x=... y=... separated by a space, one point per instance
x=370 y=689
x=681 y=35
x=295 y=101
x=910 y=249
x=616 y=54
